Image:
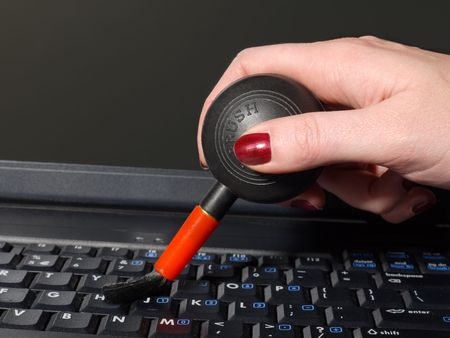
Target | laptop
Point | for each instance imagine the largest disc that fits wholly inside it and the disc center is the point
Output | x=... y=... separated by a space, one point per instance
x=99 y=104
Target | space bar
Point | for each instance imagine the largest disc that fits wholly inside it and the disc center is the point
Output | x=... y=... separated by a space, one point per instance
x=8 y=333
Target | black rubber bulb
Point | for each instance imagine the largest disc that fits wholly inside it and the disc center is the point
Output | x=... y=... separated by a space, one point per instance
x=242 y=105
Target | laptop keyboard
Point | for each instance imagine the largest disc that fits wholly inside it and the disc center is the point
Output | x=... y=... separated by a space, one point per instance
x=353 y=294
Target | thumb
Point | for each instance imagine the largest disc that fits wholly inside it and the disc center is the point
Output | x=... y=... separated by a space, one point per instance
x=310 y=140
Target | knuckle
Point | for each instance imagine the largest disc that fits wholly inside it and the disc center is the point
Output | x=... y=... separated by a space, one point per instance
x=308 y=139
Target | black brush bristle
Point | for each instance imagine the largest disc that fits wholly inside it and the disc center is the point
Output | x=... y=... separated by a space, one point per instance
x=152 y=284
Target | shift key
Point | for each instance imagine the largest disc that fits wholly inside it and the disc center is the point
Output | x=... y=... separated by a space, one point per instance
x=375 y=332
x=412 y=319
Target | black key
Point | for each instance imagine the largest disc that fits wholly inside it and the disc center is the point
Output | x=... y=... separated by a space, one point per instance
x=399 y=261
x=238 y=291
x=115 y=253
x=96 y=303
x=375 y=332
x=403 y=281
x=190 y=288
x=252 y=312
x=433 y=256
x=332 y=296
x=57 y=301
x=268 y=330
x=427 y=299
x=374 y=299
x=326 y=332
x=218 y=272
x=130 y=267
x=279 y=294
x=63 y=281
x=116 y=325
x=189 y=272
x=351 y=279
x=83 y=265
x=5 y=247
x=434 y=263
x=400 y=265
x=172 y=327
x=11 y=298
x=149 y=255
x=436 y=267
x=24 y=319
x=78 y=250
x=300 y=314
x=8 y=259
x=240 y=260
x=217 y=329
x=361 y=261
x=265 y=275
x=306 y=278
x=73 y=322
x=15 y=278
x=153 y=307
x=203 y=309
x=412 y=319
x=41 y=249
x=313 y=262
x=41 y=263
x=353 y=317
x=281 y=262
x=393 y=255
x=93 y=283
x=203 y=258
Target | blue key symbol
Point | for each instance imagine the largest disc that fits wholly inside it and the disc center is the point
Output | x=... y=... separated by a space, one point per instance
x=270 y=269
x=150 y=254
x=308 y=307
x=211 y=302
x=294 y=288
x=446 y=319
x=162 y=300
x=285 y=327
x=183 y=322
x=247 y=286
x=336 y=329
x=137 y=262
x=259 y=305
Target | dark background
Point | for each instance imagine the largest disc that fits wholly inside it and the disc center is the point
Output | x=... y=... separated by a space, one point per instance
x=123 y=82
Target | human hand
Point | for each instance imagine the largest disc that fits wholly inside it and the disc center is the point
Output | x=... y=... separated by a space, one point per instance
x=394 y=131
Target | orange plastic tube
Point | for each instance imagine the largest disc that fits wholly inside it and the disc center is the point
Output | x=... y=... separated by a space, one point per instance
x=187 y=241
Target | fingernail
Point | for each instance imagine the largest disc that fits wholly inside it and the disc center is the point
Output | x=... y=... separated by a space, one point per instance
x=253 y=149
x=407 y=184
x=203 y=166
x=422 y=207
x=303 y=204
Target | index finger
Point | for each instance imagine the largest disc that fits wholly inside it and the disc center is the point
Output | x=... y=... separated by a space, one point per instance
x=336 y=71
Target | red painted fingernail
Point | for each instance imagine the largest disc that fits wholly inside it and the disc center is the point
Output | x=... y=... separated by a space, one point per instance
x=253 y=149
x=303 y=204
x=422 y=207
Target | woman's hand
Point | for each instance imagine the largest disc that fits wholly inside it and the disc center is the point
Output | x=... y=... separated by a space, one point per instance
x=392 y=127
